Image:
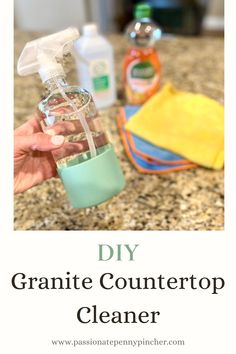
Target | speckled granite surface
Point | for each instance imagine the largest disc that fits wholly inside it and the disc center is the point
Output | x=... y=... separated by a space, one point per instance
x=186 y=200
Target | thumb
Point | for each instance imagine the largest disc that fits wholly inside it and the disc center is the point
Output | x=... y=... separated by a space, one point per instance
x=39 y=142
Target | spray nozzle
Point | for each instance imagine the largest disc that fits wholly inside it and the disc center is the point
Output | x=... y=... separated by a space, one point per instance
x=41 y=55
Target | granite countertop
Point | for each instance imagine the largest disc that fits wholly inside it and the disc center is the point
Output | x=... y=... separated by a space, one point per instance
x=184 y=200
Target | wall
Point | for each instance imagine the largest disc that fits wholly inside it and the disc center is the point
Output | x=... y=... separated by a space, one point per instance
x=214 y=19
x=53 y=15
x=216 y=8
x=49 y=15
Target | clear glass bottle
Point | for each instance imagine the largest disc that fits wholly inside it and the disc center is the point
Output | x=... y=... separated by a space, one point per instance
x=60 y=118
x=88 y=180
x=86 y=162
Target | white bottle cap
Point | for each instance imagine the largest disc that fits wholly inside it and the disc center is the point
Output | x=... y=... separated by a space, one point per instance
x=90 y=30
x=50 y=71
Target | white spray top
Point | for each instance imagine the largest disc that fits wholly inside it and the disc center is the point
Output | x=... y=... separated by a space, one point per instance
x=41 y=55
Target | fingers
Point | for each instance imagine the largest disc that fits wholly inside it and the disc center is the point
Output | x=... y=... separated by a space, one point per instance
x=73 y=126
x=65 y=128
x=77 y=147
x=68 y=149
x=38 y=141
x=30 y=127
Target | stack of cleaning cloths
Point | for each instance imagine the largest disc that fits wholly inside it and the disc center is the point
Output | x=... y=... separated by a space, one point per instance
x=174 y=130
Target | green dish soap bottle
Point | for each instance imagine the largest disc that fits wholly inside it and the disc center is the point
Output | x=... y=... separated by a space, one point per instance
x=142 y=67
x=86 y=162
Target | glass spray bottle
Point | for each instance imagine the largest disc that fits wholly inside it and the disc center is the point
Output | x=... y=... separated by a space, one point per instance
x=86 y=162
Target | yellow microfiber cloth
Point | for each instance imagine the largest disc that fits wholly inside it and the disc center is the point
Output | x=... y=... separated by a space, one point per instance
x=191 y=125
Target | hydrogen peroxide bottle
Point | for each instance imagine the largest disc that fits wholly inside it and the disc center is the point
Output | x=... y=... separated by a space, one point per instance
x=95 y=66
x=86 y=162
x=141 y=69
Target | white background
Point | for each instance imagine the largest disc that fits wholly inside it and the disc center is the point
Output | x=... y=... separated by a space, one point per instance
x=31 y=319
x=34 y=318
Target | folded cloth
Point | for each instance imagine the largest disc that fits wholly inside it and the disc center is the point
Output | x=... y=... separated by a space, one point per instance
x=191 y=125
x=147 y=150
x=147 y=159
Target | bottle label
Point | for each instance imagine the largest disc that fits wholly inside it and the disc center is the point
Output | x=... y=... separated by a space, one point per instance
x=141 y=76
x=99 y=72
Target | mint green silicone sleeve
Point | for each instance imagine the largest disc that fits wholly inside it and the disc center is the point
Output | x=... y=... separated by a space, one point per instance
x=93 y=181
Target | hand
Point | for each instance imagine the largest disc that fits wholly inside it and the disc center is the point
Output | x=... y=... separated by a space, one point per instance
x=33 y=161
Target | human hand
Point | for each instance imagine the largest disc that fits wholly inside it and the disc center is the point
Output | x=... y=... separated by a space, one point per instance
x=33 y=149
x=33 y=161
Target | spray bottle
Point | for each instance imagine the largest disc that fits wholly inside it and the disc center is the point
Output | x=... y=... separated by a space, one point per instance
x=86 y=162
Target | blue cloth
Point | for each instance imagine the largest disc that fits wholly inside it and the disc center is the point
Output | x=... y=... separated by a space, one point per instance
x=150 y=166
